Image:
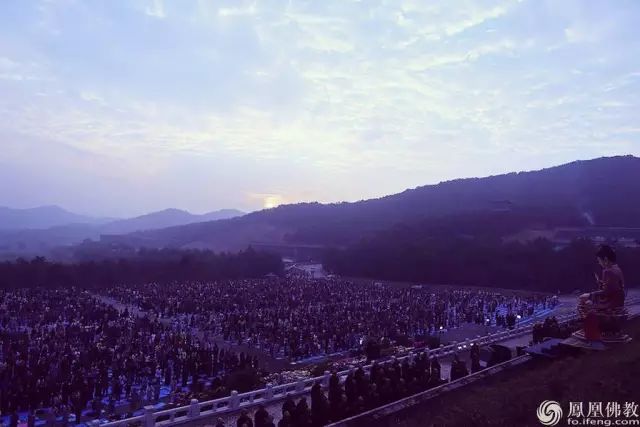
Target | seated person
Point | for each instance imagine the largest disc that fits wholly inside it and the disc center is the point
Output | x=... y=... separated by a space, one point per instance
x=611 y=293
x=604 y=308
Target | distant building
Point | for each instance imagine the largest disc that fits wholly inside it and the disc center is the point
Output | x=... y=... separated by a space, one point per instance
x=307 y=270
x=562 y=237
x=620 y=236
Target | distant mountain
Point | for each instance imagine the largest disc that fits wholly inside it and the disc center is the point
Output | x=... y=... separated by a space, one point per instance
x=604 y=192
x=165 y=218
x=53 y=227
x=42 y=217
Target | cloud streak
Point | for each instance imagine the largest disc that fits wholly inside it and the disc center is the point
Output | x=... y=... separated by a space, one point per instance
x=301 y=97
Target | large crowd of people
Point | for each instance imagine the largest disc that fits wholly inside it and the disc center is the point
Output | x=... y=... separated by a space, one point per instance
x=67 y=351
x=297 y=318
x=82 y=356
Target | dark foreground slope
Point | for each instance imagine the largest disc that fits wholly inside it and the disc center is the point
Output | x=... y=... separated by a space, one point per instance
x=511 y=398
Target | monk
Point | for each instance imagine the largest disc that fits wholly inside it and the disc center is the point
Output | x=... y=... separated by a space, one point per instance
x=611 y=292
x=608 y=301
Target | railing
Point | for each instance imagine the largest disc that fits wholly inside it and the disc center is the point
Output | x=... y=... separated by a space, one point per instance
x=270 y=394
x=370 y=417
x=397 y=405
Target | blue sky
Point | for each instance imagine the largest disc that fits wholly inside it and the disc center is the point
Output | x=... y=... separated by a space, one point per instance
x=123 y=107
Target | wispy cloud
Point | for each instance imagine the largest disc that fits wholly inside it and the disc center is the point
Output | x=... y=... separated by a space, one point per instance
x=294 y=99
x=155 y=9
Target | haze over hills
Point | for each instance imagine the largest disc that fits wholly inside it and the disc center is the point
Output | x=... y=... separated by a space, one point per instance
x=165 y=218
x=36 y=233
x=42 y=217
x=601 y=192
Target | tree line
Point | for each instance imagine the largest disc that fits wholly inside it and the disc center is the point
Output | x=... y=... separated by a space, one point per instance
x=537 y=265
x=145 y=266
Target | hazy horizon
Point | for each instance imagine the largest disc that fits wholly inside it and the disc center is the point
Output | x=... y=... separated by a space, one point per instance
x=99 y=216
x=290 y=202
x=123 y=108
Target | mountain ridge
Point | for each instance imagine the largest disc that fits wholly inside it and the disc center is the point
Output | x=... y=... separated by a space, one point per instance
x=601 y=192
x=166 y=218
x=605 y=188
x=60 y=233
x=42 y=217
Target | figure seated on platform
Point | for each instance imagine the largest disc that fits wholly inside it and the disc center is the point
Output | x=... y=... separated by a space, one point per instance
x=603 y=310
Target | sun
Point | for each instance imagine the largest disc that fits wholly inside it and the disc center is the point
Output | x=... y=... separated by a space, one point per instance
x=272 y=201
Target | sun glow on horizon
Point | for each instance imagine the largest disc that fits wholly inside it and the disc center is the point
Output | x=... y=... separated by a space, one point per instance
x=272 y=201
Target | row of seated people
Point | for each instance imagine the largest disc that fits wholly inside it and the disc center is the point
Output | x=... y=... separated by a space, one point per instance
x=360 y=392
x=550 y=328
x=297 y=318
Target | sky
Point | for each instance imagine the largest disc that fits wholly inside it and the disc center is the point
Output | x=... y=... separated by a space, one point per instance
x=122 y=107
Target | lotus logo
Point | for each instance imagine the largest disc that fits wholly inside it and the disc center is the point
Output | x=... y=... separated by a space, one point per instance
x=549 y=413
